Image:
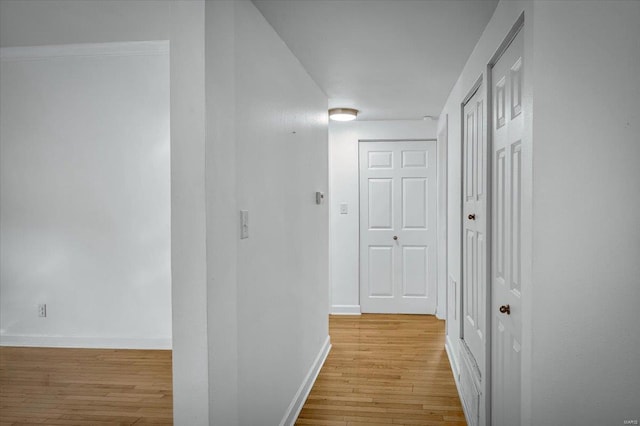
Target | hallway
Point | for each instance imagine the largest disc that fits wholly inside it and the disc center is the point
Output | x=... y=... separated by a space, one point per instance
x=223 y=187
x=384 y=369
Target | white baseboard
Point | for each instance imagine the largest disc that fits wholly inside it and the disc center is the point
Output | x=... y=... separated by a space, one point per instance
x=292 y=413
x=85 y=342
x=345 y=310
x=456 y=375
x=453 y=362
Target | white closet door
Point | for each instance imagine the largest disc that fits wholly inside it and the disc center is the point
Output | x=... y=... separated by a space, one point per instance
x=398 y=227
x=474 y=228
x=507 y=122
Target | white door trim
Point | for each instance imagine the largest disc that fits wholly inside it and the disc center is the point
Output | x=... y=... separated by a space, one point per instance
x=442 y=152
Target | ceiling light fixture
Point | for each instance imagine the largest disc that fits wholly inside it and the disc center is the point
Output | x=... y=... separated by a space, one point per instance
x=343 y=114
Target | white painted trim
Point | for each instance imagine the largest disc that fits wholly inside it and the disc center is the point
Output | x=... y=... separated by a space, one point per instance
x=442 y=280
x=456 y=375
x=292 y=413
x=329 y=201
x=345 y=310
x=134 y=48
x=85 y=342
x=452 y=359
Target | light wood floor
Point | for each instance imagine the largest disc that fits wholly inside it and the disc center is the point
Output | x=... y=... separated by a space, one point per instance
x=85 y=386
x=384 y=369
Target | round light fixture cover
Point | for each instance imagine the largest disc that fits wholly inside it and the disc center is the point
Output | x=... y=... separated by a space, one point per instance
x=343 y=114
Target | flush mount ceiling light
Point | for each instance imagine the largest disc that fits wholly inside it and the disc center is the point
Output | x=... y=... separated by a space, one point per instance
x=343 y=114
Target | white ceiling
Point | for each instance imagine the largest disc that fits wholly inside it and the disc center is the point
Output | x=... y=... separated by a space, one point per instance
x=391 y=59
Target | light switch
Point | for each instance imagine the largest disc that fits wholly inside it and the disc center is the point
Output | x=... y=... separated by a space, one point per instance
x=244 y=224
x=344 y=208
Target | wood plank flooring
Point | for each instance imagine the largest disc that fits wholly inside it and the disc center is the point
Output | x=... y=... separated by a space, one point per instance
x=384 y=369
x=56 y=386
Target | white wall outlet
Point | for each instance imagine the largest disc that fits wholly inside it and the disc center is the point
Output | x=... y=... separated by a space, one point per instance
x=42 y=310
x=344 y=208
x=244 y=224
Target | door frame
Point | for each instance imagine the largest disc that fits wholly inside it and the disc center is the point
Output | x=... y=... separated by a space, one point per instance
x=439 y=220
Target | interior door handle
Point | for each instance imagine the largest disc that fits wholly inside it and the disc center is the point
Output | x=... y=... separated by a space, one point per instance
x=505 y=309
x=472 y=217
x=395 y=237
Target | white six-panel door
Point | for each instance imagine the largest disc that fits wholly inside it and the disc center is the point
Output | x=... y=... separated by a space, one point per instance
x=507 y=128
x=474 y=229
x=398 y=227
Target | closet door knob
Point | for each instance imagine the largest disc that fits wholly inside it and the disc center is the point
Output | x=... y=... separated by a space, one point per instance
x=505 y=309
x=395 y=237
x=472 y=217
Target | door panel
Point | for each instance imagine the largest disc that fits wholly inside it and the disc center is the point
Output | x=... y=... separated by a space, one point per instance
x=507 y=122
x=499 y=215
x=470 y=279
x=414 y=158
x=380 y=159
x=380 y=204
x=397 y=199
x=381 y=271
x=414 y=203
x=516 y=185
x=415 y=271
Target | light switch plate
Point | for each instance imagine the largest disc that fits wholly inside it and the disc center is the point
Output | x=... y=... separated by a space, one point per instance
x=244 y=224
x=344 y=208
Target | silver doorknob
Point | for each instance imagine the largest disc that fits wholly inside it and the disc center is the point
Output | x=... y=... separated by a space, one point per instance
x=395 y=237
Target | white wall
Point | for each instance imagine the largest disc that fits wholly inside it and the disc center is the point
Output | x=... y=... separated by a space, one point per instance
x=250 y=317
x=281 y=156
x=343 y=188
x=85 y=196
x=191 y=386
x=222 y=213
x=586 y=240
x=39 y=22
x=580 y=243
